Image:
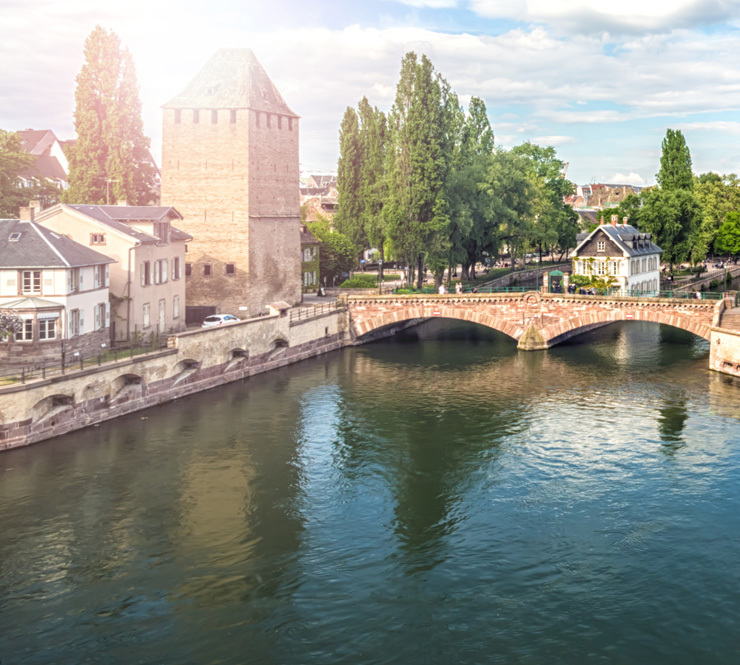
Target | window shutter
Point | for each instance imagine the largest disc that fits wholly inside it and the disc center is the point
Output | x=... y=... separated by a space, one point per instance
x=82 y=322
x=165 y=270
x=107 y=314
x=107 y=275
x=69 y=281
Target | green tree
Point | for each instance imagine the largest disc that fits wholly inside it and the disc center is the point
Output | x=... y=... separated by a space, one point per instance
x=110 y=159
x=373 y=184
x=337 y=254
x=728 y=236
x=348 y=216
x=718 y=195
x=672 y=216
x=417 y=210
x=555 y=222
x=675 y=163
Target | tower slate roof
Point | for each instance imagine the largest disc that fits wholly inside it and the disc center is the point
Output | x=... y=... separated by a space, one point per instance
x=232 y=79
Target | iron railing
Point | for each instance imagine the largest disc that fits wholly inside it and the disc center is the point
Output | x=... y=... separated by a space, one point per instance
x=71 y=362
x=310 y=311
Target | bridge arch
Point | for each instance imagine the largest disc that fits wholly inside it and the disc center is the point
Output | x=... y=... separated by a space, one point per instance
x=568 y=327
x=408 y=313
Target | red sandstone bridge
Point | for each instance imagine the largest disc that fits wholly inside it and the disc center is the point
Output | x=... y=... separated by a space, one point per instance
x=535 y=320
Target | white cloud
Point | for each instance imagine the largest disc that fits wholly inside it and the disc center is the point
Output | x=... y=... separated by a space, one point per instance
x=631 y=179
x=432 y=4
x=627 y=16
x=553 y=141
x=718 y=126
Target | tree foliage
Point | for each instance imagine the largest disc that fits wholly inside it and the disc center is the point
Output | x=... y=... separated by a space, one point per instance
x=110 y=159
x=337 y=254
x=728 y=236
x=675 y=163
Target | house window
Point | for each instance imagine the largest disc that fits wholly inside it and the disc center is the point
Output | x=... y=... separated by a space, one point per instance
x=31 y=281
x=196 y=116
x=47 y=328
x=601 y=246
x=25 y=334
x=97 y=238
x=146 y=314
x=160 y=271
x=178 y=116
x=74 y=322
x=188 y=269
x=176 y=268
x=230 y=269
x=146 y=273
x=175 y=307
x=100 y=276
x=601 y=268
x=214 y=116
x=232 y=116
x=206 y=270
x=162 y=232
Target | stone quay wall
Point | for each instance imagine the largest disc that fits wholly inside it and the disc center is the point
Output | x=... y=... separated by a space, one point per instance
x=195 y=360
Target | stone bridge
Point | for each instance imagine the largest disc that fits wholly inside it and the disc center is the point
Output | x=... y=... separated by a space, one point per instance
x=535 y=320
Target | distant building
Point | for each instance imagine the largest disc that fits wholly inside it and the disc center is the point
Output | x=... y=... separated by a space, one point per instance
x=59 y=289
x=601 y=195
x=622 y=252
x=310 y=254
x=319 y=197
x=147 y=282
x=230 y=166
x=50 y=161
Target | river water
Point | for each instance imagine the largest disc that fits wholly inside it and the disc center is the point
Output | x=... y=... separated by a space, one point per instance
x=438 y=498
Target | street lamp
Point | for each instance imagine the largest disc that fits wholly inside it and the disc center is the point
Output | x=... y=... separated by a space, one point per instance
x=380 y=277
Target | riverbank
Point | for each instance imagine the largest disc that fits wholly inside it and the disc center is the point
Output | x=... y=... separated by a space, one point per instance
x=194 y=361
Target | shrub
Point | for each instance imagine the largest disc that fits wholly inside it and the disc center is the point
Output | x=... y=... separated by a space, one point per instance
x=360 y=282
x=713 y=284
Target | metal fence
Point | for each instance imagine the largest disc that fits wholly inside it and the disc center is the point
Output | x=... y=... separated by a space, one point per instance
x=681 y=295
x=72 y=362
x=310 y=311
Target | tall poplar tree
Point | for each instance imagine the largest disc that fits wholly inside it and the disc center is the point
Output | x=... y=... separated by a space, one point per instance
x=418 y=209
x=675 y=163
x=348 y=216
x=110 y=159
x=373 y=186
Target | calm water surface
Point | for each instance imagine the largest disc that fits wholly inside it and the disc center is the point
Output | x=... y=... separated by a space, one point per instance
x=440 y=498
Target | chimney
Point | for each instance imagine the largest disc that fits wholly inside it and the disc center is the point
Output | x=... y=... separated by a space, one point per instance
x=36 y=205
x=26 y=214
x=615 y=218
x=122 y=202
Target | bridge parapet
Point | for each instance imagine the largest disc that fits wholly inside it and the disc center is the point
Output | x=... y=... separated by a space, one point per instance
x=535 y=320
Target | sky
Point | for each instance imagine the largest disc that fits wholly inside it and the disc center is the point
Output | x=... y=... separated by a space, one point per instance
x=599 y=80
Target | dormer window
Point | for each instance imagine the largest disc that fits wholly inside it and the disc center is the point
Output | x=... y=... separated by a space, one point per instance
x=162 y=232
x=601 y=246
x=97 y=238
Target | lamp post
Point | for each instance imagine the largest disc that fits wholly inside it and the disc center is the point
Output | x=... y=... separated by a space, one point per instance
x=380 y=273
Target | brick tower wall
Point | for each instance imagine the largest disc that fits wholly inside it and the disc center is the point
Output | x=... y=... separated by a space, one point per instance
x=225 y=178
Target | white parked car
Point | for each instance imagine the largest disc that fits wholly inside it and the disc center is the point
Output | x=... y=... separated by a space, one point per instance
x=218 y=320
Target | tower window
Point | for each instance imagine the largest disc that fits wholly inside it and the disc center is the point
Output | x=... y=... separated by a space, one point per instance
x=188 y=269
x=214 y=116
x=230 y=269
x=196 y=116
x=178 y=117
x=206 y=270
x=233 y=116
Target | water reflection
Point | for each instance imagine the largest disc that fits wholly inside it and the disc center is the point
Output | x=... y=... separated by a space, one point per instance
x=438 y=498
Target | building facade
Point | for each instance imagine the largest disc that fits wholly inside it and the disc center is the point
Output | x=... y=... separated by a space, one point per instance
x=230 y=166
x=147 y=280
x=57 y=287
x=310 y=260
x=621 y=252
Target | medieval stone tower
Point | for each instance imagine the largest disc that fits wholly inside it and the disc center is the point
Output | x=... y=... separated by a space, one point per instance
x=230 y=167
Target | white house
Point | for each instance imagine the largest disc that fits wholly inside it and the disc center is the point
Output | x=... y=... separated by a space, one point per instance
x=620 y=251
x=57 y=287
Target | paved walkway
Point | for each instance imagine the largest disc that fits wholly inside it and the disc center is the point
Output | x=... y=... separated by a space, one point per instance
x=731 y=319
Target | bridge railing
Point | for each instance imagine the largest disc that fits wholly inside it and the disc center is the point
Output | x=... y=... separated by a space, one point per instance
x=619 y=293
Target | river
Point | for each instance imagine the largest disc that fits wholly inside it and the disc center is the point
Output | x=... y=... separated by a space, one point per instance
x=438 y=498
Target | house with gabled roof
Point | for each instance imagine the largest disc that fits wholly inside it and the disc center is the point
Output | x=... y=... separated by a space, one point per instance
x=57 y=287
x=50 y=161
x=622 y=252
x=147 y=282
